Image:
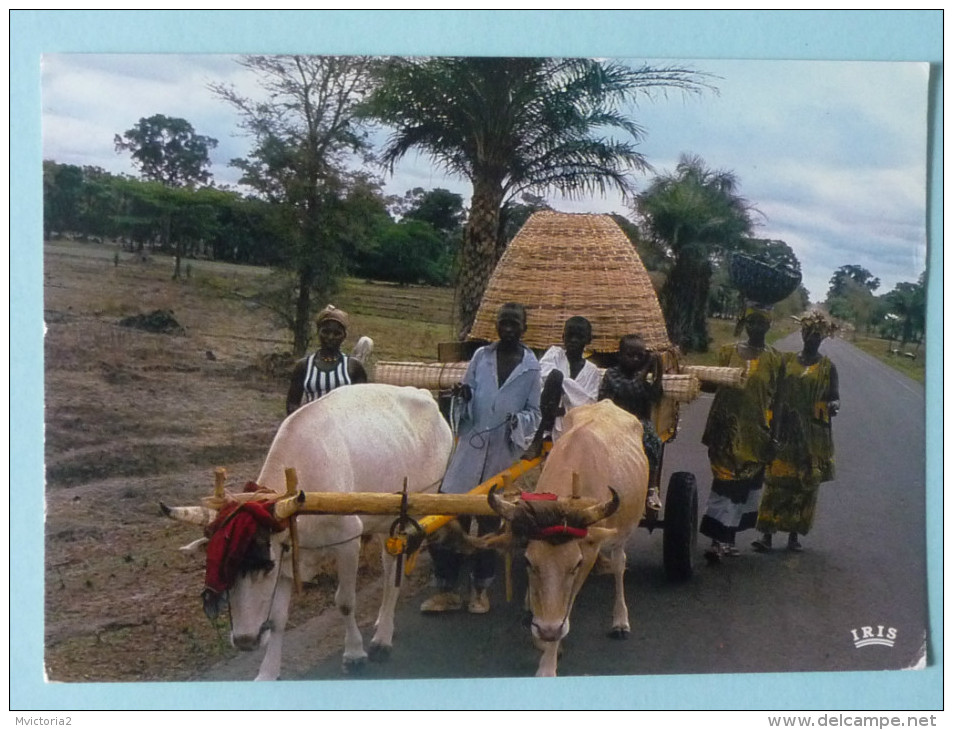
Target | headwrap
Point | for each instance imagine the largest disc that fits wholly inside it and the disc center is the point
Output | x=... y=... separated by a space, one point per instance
x=816 y=322
x=753 y=309
x=333 y=313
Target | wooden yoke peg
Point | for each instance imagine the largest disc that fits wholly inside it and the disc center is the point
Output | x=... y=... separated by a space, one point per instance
x=575 y=485
x=508 y=555
x=220 y=483
x=508 y=490
x=291 y=487
x=291 y=482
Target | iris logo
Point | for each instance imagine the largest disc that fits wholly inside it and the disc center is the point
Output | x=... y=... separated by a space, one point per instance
x=874 y=635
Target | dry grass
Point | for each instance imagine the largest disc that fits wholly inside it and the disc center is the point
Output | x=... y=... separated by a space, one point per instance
x=913 y=367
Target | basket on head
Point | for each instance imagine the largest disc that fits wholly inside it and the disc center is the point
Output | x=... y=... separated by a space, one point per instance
x=565 y=264
x=761 y=282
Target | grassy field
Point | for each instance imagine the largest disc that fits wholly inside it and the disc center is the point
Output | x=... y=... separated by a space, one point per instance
x=912 y=367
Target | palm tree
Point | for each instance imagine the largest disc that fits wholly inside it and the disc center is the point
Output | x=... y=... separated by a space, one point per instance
x=694 y=213
x=515 y=125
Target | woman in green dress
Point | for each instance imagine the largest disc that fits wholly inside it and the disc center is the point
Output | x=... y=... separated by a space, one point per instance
x=738 y=436
x=808 y=398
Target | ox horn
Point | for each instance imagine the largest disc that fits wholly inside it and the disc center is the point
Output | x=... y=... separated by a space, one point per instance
x=597 y=512
x=506 y=510
x=201 y=516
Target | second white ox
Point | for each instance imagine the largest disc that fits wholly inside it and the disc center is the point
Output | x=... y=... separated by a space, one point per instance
x=362 y=438
x=602 y=447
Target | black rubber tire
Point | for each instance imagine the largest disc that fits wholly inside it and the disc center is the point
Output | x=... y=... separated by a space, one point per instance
x=680 y=519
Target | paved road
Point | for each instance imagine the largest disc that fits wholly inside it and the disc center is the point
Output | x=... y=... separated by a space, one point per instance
x=864 y=565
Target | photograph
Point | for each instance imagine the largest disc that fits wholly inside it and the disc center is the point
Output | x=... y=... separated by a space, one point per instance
x=476 y=364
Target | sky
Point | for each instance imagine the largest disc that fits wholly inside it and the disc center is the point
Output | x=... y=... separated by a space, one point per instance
x=832 y=154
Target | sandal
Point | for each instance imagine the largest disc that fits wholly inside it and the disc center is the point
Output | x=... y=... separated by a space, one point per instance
x=762 y=544
x=731 y=551
x=713 y=554
x=794 y=545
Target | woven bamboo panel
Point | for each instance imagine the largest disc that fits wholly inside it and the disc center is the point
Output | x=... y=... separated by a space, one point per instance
x=433 y=376
x=716 y=375
x=443 y=376
x=565 y=264
x=683 y=387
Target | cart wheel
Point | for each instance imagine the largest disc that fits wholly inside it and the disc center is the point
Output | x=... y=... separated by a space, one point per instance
x=680 y=535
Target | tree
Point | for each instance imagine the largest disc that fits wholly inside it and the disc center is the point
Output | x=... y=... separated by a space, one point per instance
x=62 y=198
x=907 y=301
x=142 y=214
x=513 y=215
x=302 y=136
x=855 y=304
x=851 y=297
x=513 y=125
x=247 y=231
x=364 y=220
x=439 y=207
x=652 y=254
x=696 y=214
x=851 y=273
x=412 y=252
x=167 y=150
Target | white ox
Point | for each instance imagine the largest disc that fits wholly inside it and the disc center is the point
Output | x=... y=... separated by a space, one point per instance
x=362 y=438
x=602 y=446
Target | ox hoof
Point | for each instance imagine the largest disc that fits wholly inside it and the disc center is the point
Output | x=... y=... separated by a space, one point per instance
x=379 y=652
x=353 y=665
x=619 y=632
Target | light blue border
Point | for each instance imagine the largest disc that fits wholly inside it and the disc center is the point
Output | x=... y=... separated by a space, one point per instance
x=824 y=35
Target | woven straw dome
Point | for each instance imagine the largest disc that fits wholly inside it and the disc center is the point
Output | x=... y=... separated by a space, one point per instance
x=565 y=264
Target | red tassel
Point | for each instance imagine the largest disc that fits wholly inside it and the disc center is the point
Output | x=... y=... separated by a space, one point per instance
x=538 y=497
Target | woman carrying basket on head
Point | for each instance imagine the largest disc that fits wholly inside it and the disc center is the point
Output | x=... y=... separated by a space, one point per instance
x=738 y=436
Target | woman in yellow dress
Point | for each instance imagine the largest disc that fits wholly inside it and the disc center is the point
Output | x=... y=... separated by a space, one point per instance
x=807 y=399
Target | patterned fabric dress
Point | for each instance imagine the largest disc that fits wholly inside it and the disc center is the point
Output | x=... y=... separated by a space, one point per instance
x=738 y=438
x=805 y=452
